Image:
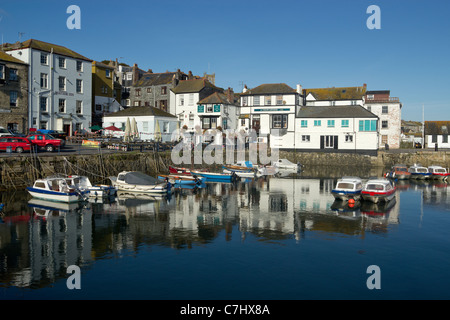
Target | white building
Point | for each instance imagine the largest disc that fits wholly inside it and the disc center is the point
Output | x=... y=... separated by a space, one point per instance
x=60 y=86
x=184 y=100
x=269 y=109
x=437 y=134
x=336 y=129
x=389 y=110
x=153 y=123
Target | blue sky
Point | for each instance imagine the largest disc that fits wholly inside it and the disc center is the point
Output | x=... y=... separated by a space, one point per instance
x=322 y=43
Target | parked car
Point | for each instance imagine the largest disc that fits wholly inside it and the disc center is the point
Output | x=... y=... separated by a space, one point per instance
x=17 y=134
x=4 y=132
x=418 y=145
x=45 y=141
x=17 y=144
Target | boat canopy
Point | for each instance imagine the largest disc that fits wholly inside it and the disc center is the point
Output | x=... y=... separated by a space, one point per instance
x=139 y=178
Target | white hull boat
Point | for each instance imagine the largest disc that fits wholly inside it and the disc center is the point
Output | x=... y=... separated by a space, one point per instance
x=133 y=181
x=56 y=190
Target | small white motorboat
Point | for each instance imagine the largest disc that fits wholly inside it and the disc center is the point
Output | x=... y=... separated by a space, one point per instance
x=419 y=172
x=348 y=188
x=286 y=164
x=56 y=189
x=135 y=181
x=438 y=172
x=94 y=191
x=378 y=190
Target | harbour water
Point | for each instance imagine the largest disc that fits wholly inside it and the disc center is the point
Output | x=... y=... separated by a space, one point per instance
x=278 y=238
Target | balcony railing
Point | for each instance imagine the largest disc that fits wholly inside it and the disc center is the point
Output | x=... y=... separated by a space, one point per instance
x=384 y=100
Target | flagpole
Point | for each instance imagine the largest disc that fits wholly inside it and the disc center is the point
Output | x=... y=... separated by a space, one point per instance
x=423 y=126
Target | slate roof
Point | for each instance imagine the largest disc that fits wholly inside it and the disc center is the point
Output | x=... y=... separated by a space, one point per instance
x=102 y=65
x=8 y=58
x=216 y=98
x=191 y=86
x=437 y=127
x=155 y=79
x=270 y=88
x=342 y=93
x=335 y=112
x=46 y=47
x=140 y=111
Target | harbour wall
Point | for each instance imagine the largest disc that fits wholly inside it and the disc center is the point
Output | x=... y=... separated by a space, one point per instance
x=18 y=172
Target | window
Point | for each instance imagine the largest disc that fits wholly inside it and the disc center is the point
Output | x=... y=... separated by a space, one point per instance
x=181 y=101
x=256 y=101
x=44 y=58
x=279 y=100
x=191 y=99
x=79 y=86
x=368 y=125
x=384 y=124
x=79 y=107
x=348 y=138
x=44 y=80
x=330 y=123
x=79 y=66
x=317 y=123
x=209 y=108
x=78 y=126
x=332 y=103
x=138 y=92
x=385 y=110
x=206 y=123
x=279 y=121
x=242 y=122
x=43 y=104
x=434 y=138
x=62 y=83
x=344 y=123
x=137 y=103
x=304 y=123
x=164 y=90
x=225 y=124
x=108 y=73
x=163 y=105
x=13 y=98
x=267 y=100
x=145 y=126
x=353 y=102
x=62 y=105
x=445 y=138
x=62 y=62
x=98 y=107
x=43 y=125
x=13 y=75
x=306 y=138
x=244 y=101
x=2 y=72
x=370 y=97
x=384 y=139
x=191 y=116
x=149 y=90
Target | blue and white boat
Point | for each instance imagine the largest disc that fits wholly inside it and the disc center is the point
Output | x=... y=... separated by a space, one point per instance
x=182 y=179
x=83 y=184
x=56 y=189
x=348 y=188
x=419 y=172
x=213 y=176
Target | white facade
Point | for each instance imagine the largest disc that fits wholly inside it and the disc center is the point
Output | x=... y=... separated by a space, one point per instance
x=184 y=106
x=60 y=90
x=149 y=127
x=271 y=115
x=442 y=141
x=310 y=100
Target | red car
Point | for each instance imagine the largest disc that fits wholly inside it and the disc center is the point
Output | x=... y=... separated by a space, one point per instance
x=45 y=141
x=17 y=144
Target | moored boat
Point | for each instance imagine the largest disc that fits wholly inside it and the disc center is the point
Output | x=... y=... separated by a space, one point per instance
x=55 y=189
x=348 y=188
x=181 y=179
x=438 y=172
x=286 y=164
x=399 y=172
x=83 y=184
x=378 y=190
x=214 y=176
x=135 y=181
x=419 y=172
x=179 y=170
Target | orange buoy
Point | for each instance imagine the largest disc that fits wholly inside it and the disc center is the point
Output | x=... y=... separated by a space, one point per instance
x=351 y=201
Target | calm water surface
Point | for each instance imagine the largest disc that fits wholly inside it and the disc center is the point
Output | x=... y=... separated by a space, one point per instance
x=268 y=239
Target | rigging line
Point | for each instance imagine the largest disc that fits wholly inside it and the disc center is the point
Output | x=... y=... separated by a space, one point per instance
x=72 y=165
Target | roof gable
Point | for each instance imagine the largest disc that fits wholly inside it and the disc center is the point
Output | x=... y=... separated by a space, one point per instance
x=140 y=111
x=271 y=88
x=192 y=86
x=335 y=112
x=341 y=93
x=46 y=47
x=216 y=98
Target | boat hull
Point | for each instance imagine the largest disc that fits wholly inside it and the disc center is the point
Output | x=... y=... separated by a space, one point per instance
x=346 y=195
x=378 y=197
x=55 y=196
x=215 y=176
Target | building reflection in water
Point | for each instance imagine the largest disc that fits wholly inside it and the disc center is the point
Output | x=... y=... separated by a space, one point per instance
x=39 y=243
